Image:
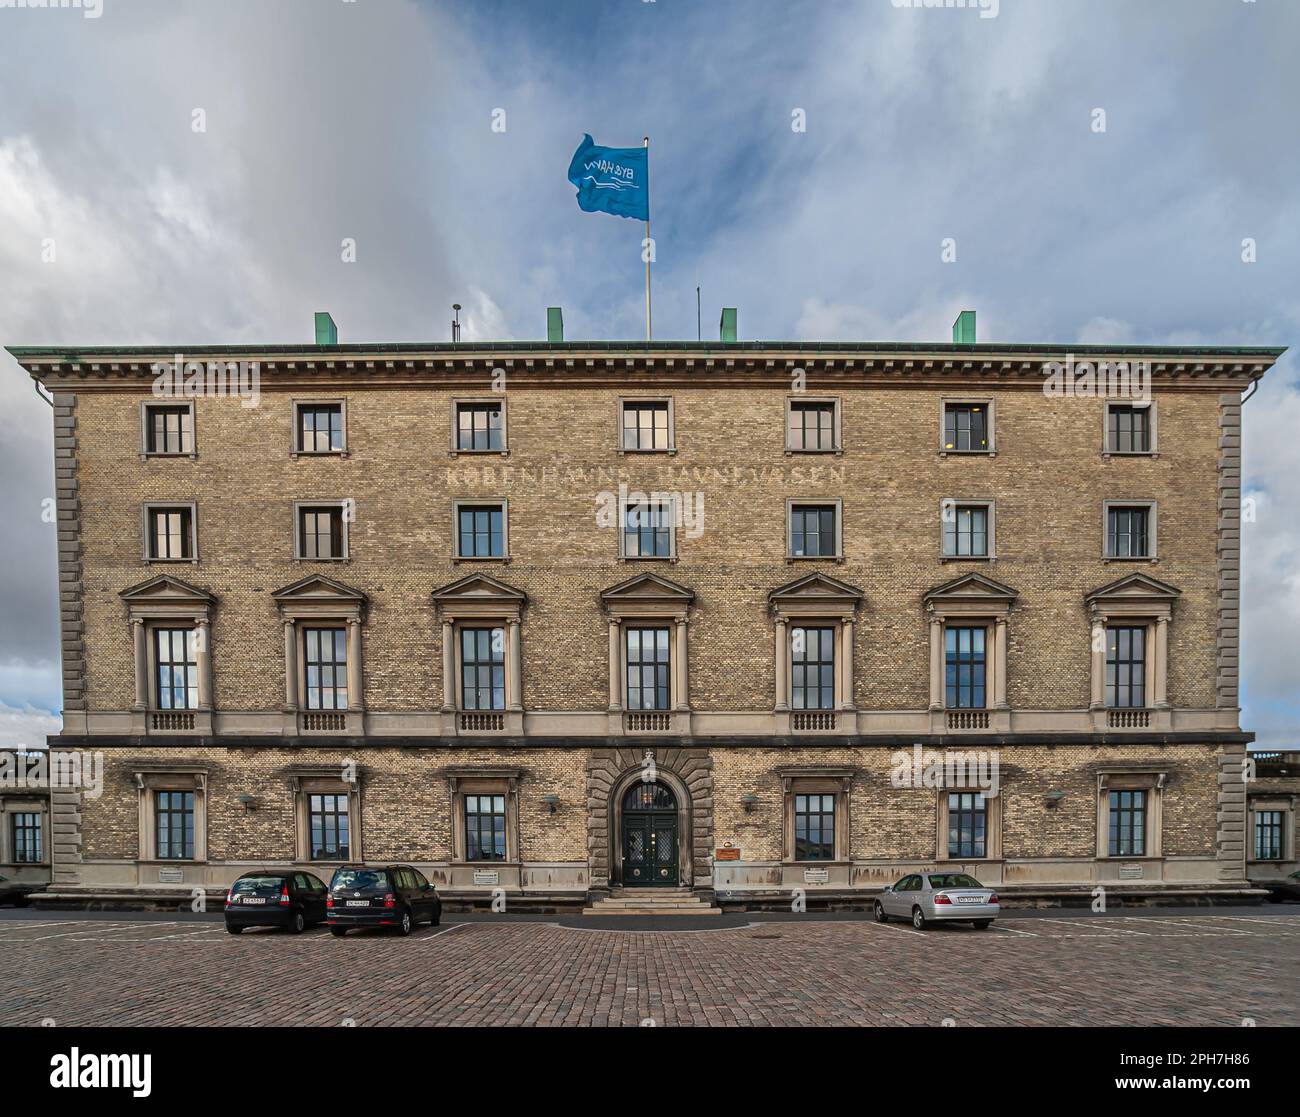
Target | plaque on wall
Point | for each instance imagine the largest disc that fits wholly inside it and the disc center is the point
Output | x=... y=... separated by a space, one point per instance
x=171 y=876
x=1130 y=872
x=486 y=876
x=727 y=853
x=816 y=876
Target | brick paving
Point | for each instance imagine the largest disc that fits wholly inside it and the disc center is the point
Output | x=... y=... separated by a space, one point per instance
x=1056 y=969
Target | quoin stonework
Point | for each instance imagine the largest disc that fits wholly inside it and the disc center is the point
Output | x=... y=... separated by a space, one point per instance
x=382 y=611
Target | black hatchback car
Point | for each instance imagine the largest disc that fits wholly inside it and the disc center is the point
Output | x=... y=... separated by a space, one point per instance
x=276 y=898
x=380 y=896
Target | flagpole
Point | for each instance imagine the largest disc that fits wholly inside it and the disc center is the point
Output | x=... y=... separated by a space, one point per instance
x=645 y=249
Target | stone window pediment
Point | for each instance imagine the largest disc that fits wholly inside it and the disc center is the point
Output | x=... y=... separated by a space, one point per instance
x=167 y=597
x=317 y=595
x=816 y=595
x=647 y=595
x=971 y=594
x=1133 y=595
x=479 y=595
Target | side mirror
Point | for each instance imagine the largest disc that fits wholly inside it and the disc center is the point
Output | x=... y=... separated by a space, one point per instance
x=888 y=888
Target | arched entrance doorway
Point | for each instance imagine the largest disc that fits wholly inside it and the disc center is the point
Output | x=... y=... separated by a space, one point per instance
x=648 y=841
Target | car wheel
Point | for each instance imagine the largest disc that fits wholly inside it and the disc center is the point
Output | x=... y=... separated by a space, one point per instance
x=879 y=910
x=297 y=924
x=982 y=924
x=338 y=932
x=233 y=929
x=918 y=919
x=407 y=923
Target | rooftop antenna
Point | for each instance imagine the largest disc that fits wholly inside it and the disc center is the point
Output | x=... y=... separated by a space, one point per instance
x=699 y=333
x=455 y=322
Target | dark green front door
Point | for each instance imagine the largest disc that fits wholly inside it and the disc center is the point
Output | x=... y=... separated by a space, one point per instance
x=649 y=838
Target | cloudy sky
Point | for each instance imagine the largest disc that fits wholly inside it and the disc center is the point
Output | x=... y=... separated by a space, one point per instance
x=197 y=164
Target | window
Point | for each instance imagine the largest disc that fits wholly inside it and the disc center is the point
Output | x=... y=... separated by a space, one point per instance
x=813 y=425
x=966 y=531
x=647 y=668
x=177 y=663
x=647 y=425
x=483 y=668
x=1128 y=823
x=967 y=824
x=814 y=827
x=327 y=822
x=169 y=429
x=966 y=428
x=485 y=827
x=321 y=532
x=174 y=812
x=319 y=428
x=26 y=836
x=1129 y=531
x=648 y=529
x=326 y=666
x=814 y=531
x=1268 y=836
x=480 y=427
x=480 y=531
x=812 y=653
x=170 y=533
x=1129 y=428
x=964 y=668
x=1126 y=666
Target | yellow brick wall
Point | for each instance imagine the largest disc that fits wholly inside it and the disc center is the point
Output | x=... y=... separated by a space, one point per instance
x=1048 y=479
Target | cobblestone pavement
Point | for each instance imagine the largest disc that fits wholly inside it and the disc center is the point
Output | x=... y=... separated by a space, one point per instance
x=1062 y=968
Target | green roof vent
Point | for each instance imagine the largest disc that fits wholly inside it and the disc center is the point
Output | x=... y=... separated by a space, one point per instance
x=727 y=325
x=554 y=324
x=326 y=332
x=963 y=330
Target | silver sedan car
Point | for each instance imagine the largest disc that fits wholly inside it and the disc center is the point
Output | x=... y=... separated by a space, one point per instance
x=924 y=898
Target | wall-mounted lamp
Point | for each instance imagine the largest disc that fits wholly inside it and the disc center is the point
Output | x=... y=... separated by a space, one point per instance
x=551 y=801
x=749 y=801
x=1053 y=798
x=246 y=799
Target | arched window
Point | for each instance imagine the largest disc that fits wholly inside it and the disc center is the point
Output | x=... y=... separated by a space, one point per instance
x=649 y=797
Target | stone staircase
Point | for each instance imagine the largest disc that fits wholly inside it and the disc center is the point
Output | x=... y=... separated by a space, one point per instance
x=651 y=901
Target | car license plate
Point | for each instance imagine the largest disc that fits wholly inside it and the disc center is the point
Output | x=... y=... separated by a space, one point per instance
x=971 y=900
x=254 y=900
x=358 y=903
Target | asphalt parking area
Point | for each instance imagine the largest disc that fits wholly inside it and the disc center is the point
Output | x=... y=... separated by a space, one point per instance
x=1057 y=967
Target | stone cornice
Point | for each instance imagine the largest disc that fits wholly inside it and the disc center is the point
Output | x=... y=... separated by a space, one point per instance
x=579 y=364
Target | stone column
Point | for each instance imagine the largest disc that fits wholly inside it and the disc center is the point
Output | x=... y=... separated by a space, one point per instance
x=936 y=663
x=356 y=699
x=141 y=664
x=679 y=666
x=204 y=664
x=448 y=667
x=1000 y=664
x=846 y=666
x=290 y=667
x=1160 y=683
x=1098 y=664
x=782 y=658
x=615 y=670
x=514 y=671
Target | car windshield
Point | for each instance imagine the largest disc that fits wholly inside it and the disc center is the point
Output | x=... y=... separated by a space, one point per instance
x=954 y=880
x=360 y=878
x=255 y=886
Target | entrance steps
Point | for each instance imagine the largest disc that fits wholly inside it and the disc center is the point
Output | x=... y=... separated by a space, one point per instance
x=651 y=901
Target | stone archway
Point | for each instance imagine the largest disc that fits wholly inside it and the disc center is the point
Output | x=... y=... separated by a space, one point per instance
x=687 y=772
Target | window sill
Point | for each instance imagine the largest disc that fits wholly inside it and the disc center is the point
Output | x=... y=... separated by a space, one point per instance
x=833 y=450
x=295 y=454
x=330 y=561
x=173 y=561
x=504 y=452
x=150 y=454
x=637 y=450
x=481 y=558
x=967 y=558
x=1135 y=558
x=1130 y=454
x=814 y=558
x=967 y=453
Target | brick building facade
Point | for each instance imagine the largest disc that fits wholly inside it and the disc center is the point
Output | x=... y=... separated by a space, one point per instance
x=461 y=606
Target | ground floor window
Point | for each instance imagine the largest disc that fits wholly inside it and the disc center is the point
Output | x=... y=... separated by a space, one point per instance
x=1268 y=836
x=174 y=812
x=327 y=822
x=485 y=827
x=26 y=834
x=1128 y=823
x=967 y=824
x=814 y=827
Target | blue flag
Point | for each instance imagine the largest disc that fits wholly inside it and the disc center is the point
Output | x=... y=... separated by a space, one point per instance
x=612 y=179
